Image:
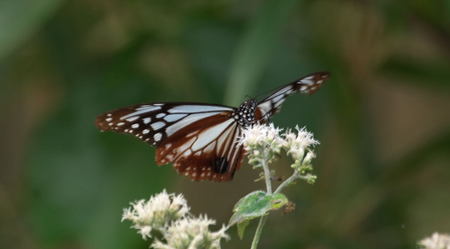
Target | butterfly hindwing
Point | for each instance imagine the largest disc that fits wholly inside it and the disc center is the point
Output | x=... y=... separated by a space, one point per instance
x=206 y=150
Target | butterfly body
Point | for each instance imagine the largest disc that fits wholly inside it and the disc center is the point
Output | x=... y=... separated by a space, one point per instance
x=246 y=114
x=201 y=140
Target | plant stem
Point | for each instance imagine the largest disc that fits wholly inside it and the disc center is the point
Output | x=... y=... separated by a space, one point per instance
x=267 y=176
x=262 y=220
x=295 y=176
x=258 y=232
x=288 y=181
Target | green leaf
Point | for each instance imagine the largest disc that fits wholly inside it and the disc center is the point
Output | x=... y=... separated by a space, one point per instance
x=241 y=228
x=254 y=205
x=278 y=201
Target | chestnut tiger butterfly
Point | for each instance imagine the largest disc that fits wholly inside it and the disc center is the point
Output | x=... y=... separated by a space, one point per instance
x=201 y=140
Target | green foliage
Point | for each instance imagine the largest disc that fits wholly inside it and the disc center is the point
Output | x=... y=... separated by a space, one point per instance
x=254 y=205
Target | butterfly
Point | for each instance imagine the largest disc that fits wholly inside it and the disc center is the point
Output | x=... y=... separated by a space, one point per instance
x=201 y=140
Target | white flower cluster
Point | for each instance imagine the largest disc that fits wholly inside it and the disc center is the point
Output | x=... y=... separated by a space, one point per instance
x=298 y=144
x=264 y=142
x=436 y=241
x=262 y=135
x=191 y=233
x=168 y=215
x=155 y=213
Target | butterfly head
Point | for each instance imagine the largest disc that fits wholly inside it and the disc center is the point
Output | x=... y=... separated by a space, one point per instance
x=245 y=113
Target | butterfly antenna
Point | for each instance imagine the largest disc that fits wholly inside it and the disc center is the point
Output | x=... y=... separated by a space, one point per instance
x=248 y=97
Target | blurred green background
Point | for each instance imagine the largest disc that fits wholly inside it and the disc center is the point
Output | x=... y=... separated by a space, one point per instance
x=383 y=118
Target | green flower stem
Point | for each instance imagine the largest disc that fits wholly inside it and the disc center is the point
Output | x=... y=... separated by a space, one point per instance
x=267 y=176
x=295 y=176
x=262 y=220
x=287 y=182
x=258 y=232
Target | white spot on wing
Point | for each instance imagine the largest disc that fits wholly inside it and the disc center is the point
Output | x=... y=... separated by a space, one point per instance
x=160 y=115
x=276 y=105
x=174 y=117
x=135 y=126
x=278 y=98
x=157 y=137
x=132 y=118
x=197 y=108
x=145 y=131
x=307 y=81
x=148 y=108
x=285 y=90
x=140 y=110
x=264 y=107
x=147 y=120
x=157 y=125
x=225 y=134
x=185 y=145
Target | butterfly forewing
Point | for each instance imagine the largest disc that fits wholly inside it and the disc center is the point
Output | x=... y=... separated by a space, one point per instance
x=152 y=123
x=307 y=85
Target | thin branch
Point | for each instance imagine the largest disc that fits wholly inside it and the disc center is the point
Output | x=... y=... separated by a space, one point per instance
x=258 y=232
x=295 y=176
x=288 y=181
x=267 y=175
x=262 y=220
